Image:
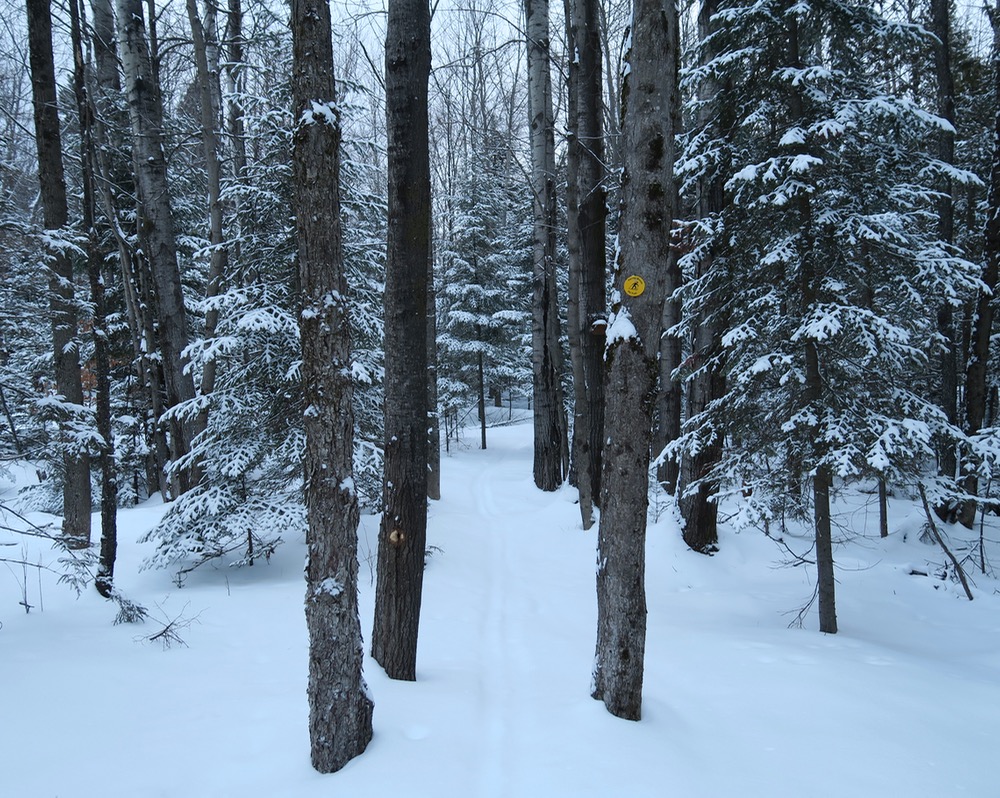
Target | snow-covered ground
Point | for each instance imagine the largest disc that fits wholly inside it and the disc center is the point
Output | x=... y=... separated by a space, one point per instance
x=904 y=701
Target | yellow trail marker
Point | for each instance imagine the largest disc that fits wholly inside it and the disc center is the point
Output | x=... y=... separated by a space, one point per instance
x=634 y=285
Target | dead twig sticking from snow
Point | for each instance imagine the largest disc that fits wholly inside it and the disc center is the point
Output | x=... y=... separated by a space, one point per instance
x=942 y=544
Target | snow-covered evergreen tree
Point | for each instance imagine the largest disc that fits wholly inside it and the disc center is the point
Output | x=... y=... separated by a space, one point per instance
x=251 y=450
x=484 y=288
x=831 y=259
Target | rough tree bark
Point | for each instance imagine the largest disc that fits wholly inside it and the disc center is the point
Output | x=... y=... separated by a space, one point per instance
x=670 y=394
x=949 y=361
x=822 y=477
x=104 y=579
x=433 y=416
x=551 y=450
x=976 y=384
x=235 y=124
x=76 y=465
x=340 y=709
x=403 y=532
x=649 y=94
x=117 y=189
x=204 y=37
x=586 y=220
x=698 y=510
x=156 y=220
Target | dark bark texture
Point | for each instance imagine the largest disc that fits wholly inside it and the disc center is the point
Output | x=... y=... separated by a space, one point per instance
x=550 y=432
x=340 y=709
x=649 y=94
x=699 y=512
x=156 y=224
x=949 y=360
x=403 y=532
x=104 y=579
x=76 y=466
x=586 y=218
x=822 y=478
x=976 y=382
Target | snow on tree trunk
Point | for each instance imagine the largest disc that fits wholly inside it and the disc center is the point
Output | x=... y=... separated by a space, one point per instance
x=948 y=361
x=76 y=463
x=586 y=215
x=340 y=708
x=699 y=510
x=403 y=531
x=104 y=579
x=156 y=221
x=550 y=432
x=206 y=58
x=649 y=94
x=976 y=382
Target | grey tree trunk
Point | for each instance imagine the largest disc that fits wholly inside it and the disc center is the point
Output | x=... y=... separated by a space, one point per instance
x=481 y=401
x=670 y=394
x=340 y=709
x=433 y=416
x=551 y=450
x=206 y=58
x=698 y=510
x=116 y=189
x=403 y=532
x=976 y=383
x=822 y=477
x=649 y=95
x=236 y=127
x=949 y=360
x=156 y=220
x=586 y=219
x=104 y=579
x=76 y=465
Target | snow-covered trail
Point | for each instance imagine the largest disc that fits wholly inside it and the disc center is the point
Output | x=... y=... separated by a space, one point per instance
x=507 y=622
x=903 y=701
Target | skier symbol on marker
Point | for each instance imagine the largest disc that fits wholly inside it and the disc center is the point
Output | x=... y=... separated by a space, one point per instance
x=634 y=285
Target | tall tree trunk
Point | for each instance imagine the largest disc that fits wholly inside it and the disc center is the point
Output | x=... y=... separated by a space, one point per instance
x=949 y=361
x=206 y=58
x=236 y=127
x=116 y=187
x=550 y=432
x=403 y=532
x=699 y=511
x=976 y=384
x=340 y=709
x=433 y=416
x=104 y=579
x=587 y=214
x=76 y=465
x=822 y=477
x=649 y=95
x=156 y=220
x=481 y=400
x=670 y=394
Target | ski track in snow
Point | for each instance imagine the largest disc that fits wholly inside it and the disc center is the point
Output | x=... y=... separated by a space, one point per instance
x=903 y=701
x=494 y=648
